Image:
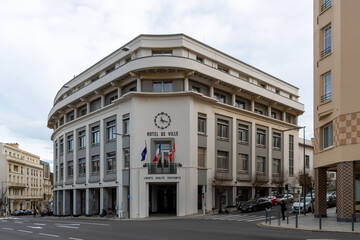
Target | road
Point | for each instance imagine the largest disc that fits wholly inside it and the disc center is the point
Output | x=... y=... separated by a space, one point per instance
x=231 y=226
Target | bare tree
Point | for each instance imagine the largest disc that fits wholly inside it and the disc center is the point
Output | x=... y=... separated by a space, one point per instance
x=279 y=180
x=259 y=181
x=309 y=184
x=220 y=186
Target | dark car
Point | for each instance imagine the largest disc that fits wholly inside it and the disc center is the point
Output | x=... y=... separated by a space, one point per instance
x=256 y=204
x=331 y=200
x=17 y=213
x=28 y=212
x=46 y=212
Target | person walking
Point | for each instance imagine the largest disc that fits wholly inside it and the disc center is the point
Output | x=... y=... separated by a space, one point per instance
x=283 y=209
x=34 y=212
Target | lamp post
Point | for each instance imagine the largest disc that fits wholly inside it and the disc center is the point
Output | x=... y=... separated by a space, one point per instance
x=304 y=179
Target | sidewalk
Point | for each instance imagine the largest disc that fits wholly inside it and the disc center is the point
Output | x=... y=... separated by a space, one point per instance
x=309 y=222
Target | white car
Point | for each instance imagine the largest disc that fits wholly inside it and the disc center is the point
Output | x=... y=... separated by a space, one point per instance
x=296 y=205
x=285 y=197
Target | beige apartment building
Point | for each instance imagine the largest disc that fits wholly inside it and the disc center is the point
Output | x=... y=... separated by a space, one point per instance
x=21 y=176
x=337 y=103
x=46 y=190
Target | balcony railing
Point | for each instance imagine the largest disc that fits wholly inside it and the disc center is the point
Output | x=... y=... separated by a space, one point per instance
x=326 y=97
x=325 y=5
x=156 y=168
x=14 y=184
x=223 y=175
x=326 y=51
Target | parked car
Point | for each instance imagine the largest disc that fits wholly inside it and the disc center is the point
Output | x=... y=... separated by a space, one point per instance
x=284 y=197
x=17 y=213
x=28 y=212
x=273 y=200
x=256 y=204
x=46 y=212
x=308 y=206
x=331 y=199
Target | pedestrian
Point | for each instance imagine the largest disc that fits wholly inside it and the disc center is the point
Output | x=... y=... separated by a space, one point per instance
x=283 y=209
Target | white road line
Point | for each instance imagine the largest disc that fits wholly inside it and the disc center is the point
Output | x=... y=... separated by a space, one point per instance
x=40 y=224
x=49 y=235
x=25 y=231
x=64 y=226
x=97 y=224
x=34 y=227
x=71 y=238
x=5 y=228
x=19 y=222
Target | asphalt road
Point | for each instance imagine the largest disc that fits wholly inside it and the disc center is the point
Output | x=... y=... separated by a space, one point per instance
x=26 y=227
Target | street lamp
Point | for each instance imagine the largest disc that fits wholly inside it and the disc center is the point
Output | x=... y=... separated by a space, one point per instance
x=304 y=179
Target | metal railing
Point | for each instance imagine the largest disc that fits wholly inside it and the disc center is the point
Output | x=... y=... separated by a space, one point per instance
x=157 y=168
x=325 y=5
x=326 y=97
x=326 y=51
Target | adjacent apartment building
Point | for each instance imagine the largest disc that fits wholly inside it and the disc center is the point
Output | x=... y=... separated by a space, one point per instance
x=46 y=190
x=167 y=124
x=337 y=103
x=21 y=176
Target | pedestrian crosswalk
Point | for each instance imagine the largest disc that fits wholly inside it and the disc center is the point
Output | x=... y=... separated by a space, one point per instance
x=234 y=217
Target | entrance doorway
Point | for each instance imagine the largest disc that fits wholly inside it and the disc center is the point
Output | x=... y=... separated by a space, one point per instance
x=162 y=199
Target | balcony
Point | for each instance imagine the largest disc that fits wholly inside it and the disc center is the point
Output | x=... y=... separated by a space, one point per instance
x=326 y=51
x=156 y=168
x=14 y=184
x=325 y=5
x=326 y=97
x=223 y=175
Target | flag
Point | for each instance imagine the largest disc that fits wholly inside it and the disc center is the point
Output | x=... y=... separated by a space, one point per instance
x=143 y=153
x=171 y=153
x=158 y=151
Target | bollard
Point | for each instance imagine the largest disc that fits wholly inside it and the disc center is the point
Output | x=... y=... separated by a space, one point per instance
x=278 y=218
x=320 y=221
x=287 y=219
x=352 y=222
x=296 y=222
x=270 y=217
x=266 y=213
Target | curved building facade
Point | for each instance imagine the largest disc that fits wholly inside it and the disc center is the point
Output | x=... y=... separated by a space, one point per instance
x=224 y=119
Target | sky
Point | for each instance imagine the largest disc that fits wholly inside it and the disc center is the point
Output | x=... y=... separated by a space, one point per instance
x=44 y=43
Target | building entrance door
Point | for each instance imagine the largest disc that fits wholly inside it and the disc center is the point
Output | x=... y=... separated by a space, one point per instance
x=162 y=198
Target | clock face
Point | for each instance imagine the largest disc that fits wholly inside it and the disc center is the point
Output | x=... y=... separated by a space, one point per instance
x=162 y=120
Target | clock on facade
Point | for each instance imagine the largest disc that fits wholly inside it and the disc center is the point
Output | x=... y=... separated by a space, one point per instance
x=162 y=120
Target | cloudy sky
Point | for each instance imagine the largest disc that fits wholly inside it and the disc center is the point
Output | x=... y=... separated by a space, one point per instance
x=43 y=44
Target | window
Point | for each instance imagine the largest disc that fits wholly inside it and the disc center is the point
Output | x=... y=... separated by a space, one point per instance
x=111 y=130
x=202 y=124
x=223 y=129
x=243 y=163
x=95 y=164
x=258 y=111
x=70 y=168
x=276 y=141
x=162 y=87
x=61 y=146
x=111 y=162
x=199 y=59
x=326 y=41
x=82 y=167
x=307 y=161
x=326 y=87
x=126 y=157
x=201 y=157
x=82 y=139
x=95 y=135
x=327 y=136
x=61 y=170
x=243 y=132
x=221 y=98
x=239 y=104
x=325 y=4
x=261 y=137
x=70 y=116
x=223 y=69
x=70 y=141
x=95 y=105
x=82 y=110
x=126 y=125
x=276 y=167
x=56 y=149
x=162 y=53
x=260 y=164
x=273 y=115
x=196 y=89
x=291 y=155
x=110 y=69
x=222 y=160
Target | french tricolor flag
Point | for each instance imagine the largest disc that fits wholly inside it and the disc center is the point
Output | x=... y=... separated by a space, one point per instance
x=158 y=151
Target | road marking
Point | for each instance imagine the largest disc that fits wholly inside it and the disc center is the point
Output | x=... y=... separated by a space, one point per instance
x=68 y=224
x=65 y=226
x=4 y=221
x=96 y=224
x=40 y=224
x=25 y=231
x=75 y=238
x=19 y=222
x=5 y=228
x=49 y=235
x=34 y=227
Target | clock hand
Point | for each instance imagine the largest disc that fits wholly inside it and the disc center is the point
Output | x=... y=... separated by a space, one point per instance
x=162 y=120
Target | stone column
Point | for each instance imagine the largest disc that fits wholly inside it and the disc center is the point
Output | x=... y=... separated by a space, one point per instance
x=101 y=200
x=87 y=201
x=186 y=84
x=320 y=192
x=212 y=91
x=138 y=85
x=345 y=191
x=74 y=202
x=64 y=203
x=252 y=106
